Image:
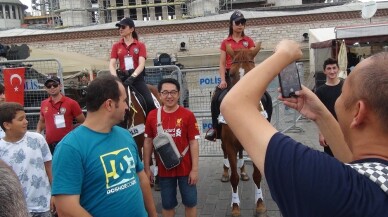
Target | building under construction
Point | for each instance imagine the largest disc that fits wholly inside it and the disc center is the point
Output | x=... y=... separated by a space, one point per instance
x=89 y=12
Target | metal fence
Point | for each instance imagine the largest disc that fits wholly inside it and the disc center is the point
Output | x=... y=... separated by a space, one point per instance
x=36 y=72
x=197 y=86
x=201 y=84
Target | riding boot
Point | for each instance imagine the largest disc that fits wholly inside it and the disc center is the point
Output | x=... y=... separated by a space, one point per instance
x=211 y=134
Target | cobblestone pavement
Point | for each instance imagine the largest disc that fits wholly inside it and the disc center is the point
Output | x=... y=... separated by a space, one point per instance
x=214 y=196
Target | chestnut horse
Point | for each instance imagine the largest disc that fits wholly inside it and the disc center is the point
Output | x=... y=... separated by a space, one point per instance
x=135 y=120
x=243 y=62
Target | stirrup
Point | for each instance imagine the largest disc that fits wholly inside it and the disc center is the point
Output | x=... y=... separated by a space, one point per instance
x=211 y=137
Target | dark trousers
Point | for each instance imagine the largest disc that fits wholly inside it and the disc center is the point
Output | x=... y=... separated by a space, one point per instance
x=215 y=104
x=142 y=93
x=141 y=87
x=215 y=107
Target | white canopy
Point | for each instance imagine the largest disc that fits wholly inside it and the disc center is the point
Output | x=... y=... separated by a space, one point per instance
x=70 y=61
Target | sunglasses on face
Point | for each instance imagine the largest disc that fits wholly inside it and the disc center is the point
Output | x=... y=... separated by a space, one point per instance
x=55 y=85
x=242 y=22
x=122 y=27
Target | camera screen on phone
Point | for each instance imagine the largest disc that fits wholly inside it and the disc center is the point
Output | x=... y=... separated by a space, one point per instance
x=289 y=80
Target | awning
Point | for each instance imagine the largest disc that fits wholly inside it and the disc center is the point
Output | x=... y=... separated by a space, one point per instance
x=371 y=30
x=326 y=37
x=70 y=61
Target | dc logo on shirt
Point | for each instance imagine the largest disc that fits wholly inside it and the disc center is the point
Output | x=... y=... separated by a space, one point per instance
x=245 y=44
x=119 y=168
x=136 y=50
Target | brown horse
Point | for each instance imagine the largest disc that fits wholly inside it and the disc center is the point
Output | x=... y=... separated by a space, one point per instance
x=136 y=117
x=243 y=62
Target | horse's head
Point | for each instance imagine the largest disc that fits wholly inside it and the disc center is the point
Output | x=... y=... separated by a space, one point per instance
x=243 y=61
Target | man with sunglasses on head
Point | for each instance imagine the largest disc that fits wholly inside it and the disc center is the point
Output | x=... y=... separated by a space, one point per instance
x=57 y=113
x=237 y=40
x=181 y=124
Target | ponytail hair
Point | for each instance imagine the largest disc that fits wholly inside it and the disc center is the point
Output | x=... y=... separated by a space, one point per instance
x=134 y=35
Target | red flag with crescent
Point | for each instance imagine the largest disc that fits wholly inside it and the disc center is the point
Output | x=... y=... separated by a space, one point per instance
x=14 y=84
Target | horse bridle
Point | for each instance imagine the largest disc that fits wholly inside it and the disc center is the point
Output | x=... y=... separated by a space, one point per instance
x=242 y=61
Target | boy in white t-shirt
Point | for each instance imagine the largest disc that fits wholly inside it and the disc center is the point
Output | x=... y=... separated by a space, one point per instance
x=29 y=156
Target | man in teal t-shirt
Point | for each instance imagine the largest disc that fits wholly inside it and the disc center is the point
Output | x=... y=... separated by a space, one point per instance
x=96 y=168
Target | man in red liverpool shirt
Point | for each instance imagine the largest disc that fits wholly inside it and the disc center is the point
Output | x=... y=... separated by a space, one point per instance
x=183 y=127
x=57 y=113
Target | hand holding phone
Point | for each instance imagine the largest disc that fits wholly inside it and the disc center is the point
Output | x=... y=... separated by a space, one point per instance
x=289 y=81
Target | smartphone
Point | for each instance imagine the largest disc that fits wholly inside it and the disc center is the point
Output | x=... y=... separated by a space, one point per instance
x=289 y=81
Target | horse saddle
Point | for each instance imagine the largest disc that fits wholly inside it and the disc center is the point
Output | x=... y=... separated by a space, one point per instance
x=136 y=130
x=140 y=99
x=221 y=96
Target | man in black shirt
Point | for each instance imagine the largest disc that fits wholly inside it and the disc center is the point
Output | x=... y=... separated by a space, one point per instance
x=328 y=94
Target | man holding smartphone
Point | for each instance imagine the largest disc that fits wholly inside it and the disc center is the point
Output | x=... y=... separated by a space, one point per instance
x=305 y=182
x=328 y=94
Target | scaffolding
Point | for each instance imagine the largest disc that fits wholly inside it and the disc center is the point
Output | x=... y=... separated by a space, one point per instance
x=91 y=12
x=68 y=13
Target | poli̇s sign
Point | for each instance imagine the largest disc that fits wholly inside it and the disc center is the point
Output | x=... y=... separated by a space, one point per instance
x=31 y=84
x=206 y=125
x=209 y=80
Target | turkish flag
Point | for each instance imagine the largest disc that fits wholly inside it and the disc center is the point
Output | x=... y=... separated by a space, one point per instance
x=14 y=84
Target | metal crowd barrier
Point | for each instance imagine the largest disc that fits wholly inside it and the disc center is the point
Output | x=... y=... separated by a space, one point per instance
x=201 y=84
x=197 y=86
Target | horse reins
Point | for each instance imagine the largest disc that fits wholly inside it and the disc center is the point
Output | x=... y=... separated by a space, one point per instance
x=131 y=106
x=243 y=61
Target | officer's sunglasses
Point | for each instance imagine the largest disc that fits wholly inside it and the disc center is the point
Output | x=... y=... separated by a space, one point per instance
x=55 y=85
x=122 y=27
x=242 y=22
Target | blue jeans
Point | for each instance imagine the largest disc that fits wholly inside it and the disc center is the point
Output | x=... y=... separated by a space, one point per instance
x=168 y=191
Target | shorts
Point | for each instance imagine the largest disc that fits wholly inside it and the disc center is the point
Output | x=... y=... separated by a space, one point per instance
x=168 y=191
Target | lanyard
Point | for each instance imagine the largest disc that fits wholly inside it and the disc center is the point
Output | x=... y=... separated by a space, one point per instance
x=128 y=48
x=57 y=109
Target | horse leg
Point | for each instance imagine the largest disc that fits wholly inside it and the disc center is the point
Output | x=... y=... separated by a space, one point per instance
x=243 y=173
x=234 y=180
x=225 y=174
x=259 y=200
